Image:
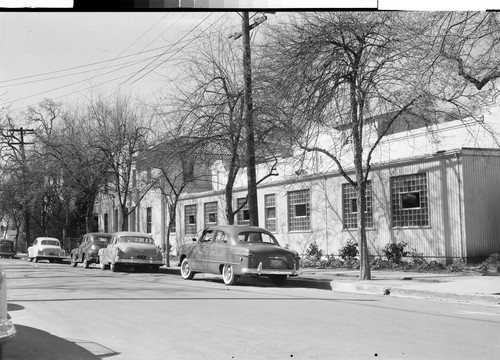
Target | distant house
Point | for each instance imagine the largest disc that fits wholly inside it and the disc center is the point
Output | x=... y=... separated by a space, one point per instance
x=434 y=188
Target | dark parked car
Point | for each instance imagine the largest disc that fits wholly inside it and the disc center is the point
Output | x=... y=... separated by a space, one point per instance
x=233 y=251
x=88 y=250
x=7 y=248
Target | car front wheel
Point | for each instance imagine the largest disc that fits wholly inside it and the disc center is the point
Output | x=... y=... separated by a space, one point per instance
x=228 y=275
x=185 y=272
x=85 y=263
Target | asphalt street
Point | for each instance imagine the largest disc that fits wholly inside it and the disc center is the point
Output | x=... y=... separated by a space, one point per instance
x=75 y=313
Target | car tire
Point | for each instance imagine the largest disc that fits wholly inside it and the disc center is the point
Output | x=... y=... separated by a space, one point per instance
x=155 y=268
x=102 y=265
x=113 y=267
x=73 y=261
x=278 y=280
x=85 y=262
x=185 y=272
x=35 y=259
x=228 y=275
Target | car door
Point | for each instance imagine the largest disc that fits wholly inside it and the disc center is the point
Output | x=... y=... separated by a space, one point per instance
x=200 y=252
x=219 y=251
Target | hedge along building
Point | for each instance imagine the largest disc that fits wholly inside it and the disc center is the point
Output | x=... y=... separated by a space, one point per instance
x=435 y=190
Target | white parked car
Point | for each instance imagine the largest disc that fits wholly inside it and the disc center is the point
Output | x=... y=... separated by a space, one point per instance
x=46 y=248
x=132 y=249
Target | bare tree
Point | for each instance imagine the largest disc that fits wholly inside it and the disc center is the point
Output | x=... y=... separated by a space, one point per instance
x=212 y=106
x=335 y=72
x=122 y=131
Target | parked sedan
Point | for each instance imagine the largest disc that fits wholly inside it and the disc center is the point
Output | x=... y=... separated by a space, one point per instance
x=134 y=249
x=233 y=251
x=46 y=248
x=88 y=250
x=7 y=248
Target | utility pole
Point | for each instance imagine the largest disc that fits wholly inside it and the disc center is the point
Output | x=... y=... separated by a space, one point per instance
x=252 y=202
x=20 y=141
x=253 y=208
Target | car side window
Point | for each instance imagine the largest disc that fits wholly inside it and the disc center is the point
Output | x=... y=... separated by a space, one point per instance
x=207 y=236
x=220 y=237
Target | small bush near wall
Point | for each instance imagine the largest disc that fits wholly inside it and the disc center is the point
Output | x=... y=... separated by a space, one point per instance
x=349 y=251
x=490 y=265
x=395 y=252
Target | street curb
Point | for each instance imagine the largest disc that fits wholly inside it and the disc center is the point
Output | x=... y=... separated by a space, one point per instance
x=388 y=290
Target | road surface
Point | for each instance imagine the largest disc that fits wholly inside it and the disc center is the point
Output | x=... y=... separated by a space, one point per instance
x=66 y=313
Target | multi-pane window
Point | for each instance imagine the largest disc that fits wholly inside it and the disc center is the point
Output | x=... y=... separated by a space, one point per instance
x=190 y=218
x=106 y=223
x=149 y=221
x=350 y=206
x=299 y=210
x=409 y=200
x=210 y=211
x=243 y=214
x=270 y=204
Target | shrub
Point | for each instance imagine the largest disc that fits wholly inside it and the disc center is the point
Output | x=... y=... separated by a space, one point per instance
x=492 y=263
x=313 y=251
x=349 y=251
x=395 y=252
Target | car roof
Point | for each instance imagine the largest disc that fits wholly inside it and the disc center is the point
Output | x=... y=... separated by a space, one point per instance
x=237 y=228
x=131 y=233
x=99 y=234
x=46 y=238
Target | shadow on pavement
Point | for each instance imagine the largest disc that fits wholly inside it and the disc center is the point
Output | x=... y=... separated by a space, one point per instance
x=30 y=343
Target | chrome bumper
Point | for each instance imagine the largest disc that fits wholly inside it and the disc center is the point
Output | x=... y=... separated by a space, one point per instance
x=260 y=271
x=139 y=261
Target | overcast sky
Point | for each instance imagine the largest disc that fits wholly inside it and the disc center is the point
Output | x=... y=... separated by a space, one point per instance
x=37 y=43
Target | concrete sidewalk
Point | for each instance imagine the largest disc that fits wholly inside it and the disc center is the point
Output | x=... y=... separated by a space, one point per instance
x=458 y=287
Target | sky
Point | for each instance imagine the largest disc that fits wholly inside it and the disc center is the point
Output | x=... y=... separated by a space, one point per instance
x=50 y=54
x=38 y=43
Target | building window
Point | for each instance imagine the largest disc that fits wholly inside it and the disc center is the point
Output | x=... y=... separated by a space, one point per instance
x=210 y=210
x=409 y=200
x=149 y=221
x=190 y=218
x=350 y=206
x=299 y=210
x=106 y=223
x=270 y=204
x=243 y=213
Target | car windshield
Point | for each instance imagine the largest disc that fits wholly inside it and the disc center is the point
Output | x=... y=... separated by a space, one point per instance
x=256 y=237
x=101 y=240
x=50 y=242
x=135 y=239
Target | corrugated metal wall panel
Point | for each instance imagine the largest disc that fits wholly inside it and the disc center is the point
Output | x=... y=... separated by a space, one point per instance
x=482 y=203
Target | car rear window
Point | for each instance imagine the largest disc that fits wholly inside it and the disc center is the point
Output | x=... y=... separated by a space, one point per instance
x=50 y=242
x=135 y=239
x=256 y=237
x=100 y=240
